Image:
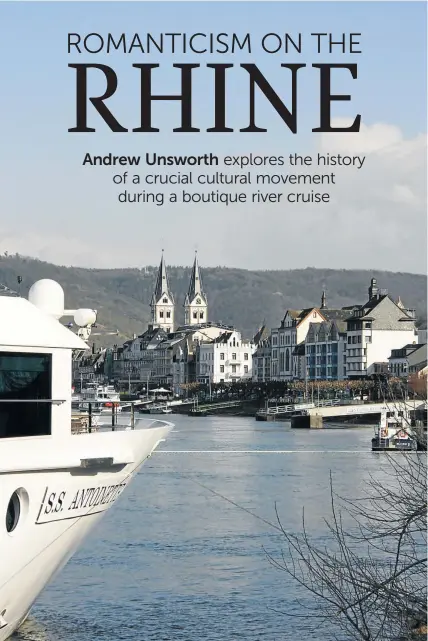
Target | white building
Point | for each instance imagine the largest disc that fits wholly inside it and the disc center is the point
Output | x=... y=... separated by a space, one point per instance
x=184 y=360
x=225 y=359
x=374 y=330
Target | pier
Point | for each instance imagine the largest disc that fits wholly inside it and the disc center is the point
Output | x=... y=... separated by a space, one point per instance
x=213 y=408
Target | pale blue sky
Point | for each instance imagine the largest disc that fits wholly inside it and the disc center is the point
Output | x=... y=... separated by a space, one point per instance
x=46 y=190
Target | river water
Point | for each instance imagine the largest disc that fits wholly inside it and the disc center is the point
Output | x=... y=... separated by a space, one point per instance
x=174 y=560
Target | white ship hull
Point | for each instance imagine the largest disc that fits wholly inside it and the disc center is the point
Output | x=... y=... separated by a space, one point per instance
x=61 y=501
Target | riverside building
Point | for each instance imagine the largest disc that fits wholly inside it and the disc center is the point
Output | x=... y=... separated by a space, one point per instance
x=225 y=359
x=376 y=328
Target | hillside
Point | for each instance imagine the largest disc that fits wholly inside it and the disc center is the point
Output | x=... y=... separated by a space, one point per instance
x=236 y=296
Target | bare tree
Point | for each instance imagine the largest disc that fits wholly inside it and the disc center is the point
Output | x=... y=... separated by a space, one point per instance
x=370 y=582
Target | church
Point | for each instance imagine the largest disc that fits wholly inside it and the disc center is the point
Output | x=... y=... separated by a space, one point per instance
x=171 y=355
x=163 y=305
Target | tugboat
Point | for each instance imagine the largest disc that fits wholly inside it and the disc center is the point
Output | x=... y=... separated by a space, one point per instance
x=392 y=435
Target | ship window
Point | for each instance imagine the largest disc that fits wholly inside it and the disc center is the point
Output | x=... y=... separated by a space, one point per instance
x=13 y=512
x=25 y=378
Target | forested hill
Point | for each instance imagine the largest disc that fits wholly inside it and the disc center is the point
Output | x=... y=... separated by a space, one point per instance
x=238 y=297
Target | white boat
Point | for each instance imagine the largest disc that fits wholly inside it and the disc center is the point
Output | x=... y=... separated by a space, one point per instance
x=55 y=482
x=166 y=410
x=393 y=433
x=102 y=393
x=101 y=399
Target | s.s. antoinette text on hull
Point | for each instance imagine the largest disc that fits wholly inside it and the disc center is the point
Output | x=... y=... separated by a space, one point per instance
x=60 y=504
x=188 y=109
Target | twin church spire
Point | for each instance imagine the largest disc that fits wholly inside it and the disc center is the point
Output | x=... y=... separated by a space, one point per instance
x=196 y=302
x=163 y=304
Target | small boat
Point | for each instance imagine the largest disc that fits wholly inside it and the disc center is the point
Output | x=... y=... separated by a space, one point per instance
x=166 y=410
x=196 y=410
x=392 y=435
x=100 y=398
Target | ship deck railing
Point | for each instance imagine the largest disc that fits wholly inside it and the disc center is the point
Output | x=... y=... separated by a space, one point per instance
x=84 y=422
x=90 y=420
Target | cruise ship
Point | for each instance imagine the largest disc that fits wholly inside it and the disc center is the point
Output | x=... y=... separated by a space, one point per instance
x=56 y=482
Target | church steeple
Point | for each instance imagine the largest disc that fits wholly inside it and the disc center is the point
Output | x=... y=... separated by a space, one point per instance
x=196 y=302
x=162 y=303
x=323 y=300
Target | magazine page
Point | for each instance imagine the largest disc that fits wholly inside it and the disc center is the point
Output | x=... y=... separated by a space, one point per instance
x=213 y=327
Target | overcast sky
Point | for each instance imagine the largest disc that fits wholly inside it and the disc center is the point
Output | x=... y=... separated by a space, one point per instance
x=59 y=211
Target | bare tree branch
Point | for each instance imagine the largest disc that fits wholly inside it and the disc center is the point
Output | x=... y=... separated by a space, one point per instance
x=369 y=583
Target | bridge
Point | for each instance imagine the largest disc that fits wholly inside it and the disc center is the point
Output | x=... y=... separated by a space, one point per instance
x=313 y=414
x=284 y=411
x=365 y=408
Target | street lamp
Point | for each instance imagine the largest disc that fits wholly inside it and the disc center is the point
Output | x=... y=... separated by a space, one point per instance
x=306 y=382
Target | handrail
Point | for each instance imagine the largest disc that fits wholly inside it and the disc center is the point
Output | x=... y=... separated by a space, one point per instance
x=283 y=409
x=110 y=412
x=54 y=401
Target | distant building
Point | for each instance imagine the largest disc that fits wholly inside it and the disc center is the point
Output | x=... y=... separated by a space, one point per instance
x=418 y=361
x=299 y=361
x=398 y=361
x=94 y=367
x=179 y=363
x=262 y=356
x=410 y=359
x=134 y=361
x=225 y=359
x=285 y=364
x=325 y=346
x=374 y=330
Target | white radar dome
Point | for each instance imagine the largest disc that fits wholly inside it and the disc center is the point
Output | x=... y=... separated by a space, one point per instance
x=48 y=296
x=84 y=317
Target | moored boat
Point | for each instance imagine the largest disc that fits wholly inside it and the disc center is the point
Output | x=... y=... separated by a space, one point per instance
x=393 y=434
x=100 y=398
